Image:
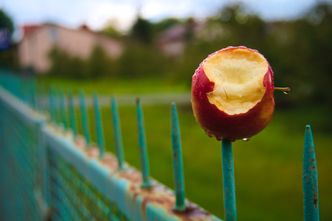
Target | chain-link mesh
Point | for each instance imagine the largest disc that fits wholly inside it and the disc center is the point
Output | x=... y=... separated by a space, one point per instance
x=18 y=152
x=74 y=197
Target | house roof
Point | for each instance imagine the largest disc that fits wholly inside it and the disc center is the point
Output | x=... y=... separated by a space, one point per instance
x=30 y=28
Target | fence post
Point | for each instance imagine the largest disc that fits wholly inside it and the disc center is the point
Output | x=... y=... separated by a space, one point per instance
x=33 y=93
x=99 y=127
x=57 y=105
x=63 y=110
x=310 y=178
x=44 y=168
x=51 y=105
x=117 y=133
x=72 y=116
x=142 y=146
x=84 y=119
x=230 y=213
x=180 y=204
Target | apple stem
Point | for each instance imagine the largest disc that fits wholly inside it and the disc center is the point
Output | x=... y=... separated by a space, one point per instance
x=228 y=181
x=285 y=90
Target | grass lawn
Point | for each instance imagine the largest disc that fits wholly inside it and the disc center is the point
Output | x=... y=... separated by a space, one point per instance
x=109 y=86
x=267 y=168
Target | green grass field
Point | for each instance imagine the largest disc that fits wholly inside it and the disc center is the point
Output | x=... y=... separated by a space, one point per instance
x=109 y=86
x=267 y=168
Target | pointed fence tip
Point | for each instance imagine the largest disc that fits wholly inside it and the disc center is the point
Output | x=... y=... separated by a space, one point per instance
x=114 y=104
x=95 y=100
x=174 y=118
x=117 y=133
x=310 y=178
x=309 y=139
x=308 y=136
x=173 y=108
x=138 y=100
x=95 y=95
x=145 y=167
x=113 y=101
x=180 y=204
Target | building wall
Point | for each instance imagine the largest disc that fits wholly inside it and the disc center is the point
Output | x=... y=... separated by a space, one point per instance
x=34 y=48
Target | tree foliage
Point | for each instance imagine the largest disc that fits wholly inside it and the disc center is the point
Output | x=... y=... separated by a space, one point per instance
x=8 y=57
x=6 y=21
x=97 y=65
x=142 y=31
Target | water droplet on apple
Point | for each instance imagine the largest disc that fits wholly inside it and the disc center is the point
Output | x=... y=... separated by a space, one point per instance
x=245 y=139
x=285 y=92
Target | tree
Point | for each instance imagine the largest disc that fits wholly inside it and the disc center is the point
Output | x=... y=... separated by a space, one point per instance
x=164 y=24
x=65 y=65
x=8 y=54
x=111 y=31
x=142 y=31
x=99 y=63
x=6 y=22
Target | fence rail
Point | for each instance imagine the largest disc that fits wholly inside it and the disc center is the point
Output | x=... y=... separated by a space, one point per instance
x=50 y=172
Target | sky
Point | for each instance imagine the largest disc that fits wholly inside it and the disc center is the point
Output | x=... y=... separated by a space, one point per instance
x=122 y=13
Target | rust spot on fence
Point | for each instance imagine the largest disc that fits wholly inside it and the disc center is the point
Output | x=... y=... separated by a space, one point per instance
x=161 y=196
x=311 y=168
x=315 y=200
x=157 y=195
x=109 y=161
x=80 y=142
x=92 y=151
x=133 y=176
x=192 y=213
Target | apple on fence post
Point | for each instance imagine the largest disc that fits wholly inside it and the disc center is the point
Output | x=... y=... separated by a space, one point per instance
x=232 y=93
x=233 y=98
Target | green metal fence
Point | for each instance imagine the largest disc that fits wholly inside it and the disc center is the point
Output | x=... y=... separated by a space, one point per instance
x=50 y=172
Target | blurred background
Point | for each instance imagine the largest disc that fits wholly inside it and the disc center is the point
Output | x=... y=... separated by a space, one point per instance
x=151 y=48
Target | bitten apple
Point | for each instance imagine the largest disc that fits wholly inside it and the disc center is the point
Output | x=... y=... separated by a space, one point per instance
x=232 y=93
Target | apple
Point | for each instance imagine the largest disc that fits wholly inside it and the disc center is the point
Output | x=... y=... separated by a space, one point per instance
x=233 y=93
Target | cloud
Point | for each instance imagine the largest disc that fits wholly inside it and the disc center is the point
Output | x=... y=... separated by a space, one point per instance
x=96 y=13
x=122 y=13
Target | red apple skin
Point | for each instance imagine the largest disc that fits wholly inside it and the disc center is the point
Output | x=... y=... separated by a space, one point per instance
x=222 y=125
